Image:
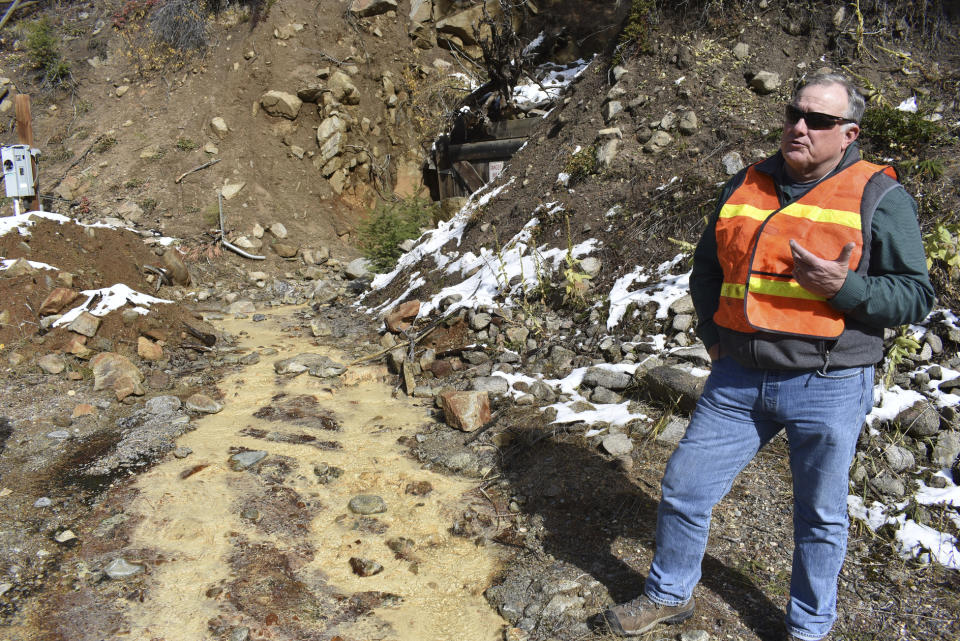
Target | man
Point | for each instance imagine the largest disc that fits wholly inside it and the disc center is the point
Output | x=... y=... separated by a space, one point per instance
x=810 y=255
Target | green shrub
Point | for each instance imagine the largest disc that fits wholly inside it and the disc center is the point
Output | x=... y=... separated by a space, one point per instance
x=582 y=164
x=889 y=130
x=389 y=225
x=636 y=33
x=44 y=49
x=185 y=144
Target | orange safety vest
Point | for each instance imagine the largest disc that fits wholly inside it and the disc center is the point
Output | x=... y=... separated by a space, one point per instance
x=753 y=234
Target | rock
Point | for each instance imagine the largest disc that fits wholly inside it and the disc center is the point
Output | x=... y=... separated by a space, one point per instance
x=741 y=51
x=245 y=460
x=493 y=385
x=121 y=569
x=121 y=90
x=611 y=110
x=617 y=444
x=479 y=321
x=887 y=484
x=65 y=537
x=765 y=82
x=324 y=292
x=148 y=350
x=689 y=123
x=946 y=451
x=229 y=190
x=285 y=250
x=219 y=127
x=287 y=31
x=919 y=420
x=695 y=635
x=176 y=268
x=86 y=324
x=279 y=230
x=696 y=354
x=316 y=364
x=52 y=363
x=668 y=384
x=358 y=268
x=673 y=431
x=281 y=103
x=608 y=378
x=607 y=152
x=466 y=411
x=203 y=404
x=669 y=121
x=241 y=307
x=604 y=396
x=57 y=300
x=367 y=504
x=517 y=336
x=732 y=163
x=19 y=267
x=116 y=372
x=682 y=322
x=343 y=89
x=182 y=452
x=364 y=567
x=83 y=409
x=659 y=141
x=367 y=8
x=898 y=458
x=402 y=316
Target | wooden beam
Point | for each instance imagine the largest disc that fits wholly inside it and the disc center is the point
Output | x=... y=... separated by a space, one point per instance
x=469 y=174
x=513 y=128
x=486 y=150
x=21 y=106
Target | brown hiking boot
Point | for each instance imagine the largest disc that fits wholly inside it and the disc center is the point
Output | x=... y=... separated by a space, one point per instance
x=637 y=616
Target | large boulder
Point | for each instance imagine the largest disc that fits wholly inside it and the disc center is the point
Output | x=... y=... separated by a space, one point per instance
x=116 y=372
x=668 y=384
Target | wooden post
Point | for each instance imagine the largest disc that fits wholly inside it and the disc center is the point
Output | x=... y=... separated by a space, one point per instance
x=21 y=105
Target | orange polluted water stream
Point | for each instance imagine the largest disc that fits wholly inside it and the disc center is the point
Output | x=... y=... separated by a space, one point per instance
x=203 y=524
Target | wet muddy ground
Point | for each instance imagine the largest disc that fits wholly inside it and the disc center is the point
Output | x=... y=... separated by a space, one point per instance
x=282 y=548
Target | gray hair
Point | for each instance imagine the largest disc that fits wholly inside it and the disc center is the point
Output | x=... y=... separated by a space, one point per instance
x=855 y=101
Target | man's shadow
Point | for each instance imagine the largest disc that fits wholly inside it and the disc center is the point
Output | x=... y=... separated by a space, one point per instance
x=588 y=504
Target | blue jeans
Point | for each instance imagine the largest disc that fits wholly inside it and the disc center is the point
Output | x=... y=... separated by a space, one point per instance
x=740 y=410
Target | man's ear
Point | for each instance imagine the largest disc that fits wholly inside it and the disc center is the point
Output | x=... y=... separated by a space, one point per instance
x=850 y=134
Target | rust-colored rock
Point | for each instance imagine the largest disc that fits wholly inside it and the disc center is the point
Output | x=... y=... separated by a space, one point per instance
x=148 y=350
x=176 y=268
x=402 y=316
x=467 y=411
x=115 y=371
x=83 y=409
x=57 y=300
x=77 y=345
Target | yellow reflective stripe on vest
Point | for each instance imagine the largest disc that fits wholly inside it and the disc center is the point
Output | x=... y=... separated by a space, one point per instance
x=732 y=290
x=729 y=211
x=807 y=212
x=784 y=288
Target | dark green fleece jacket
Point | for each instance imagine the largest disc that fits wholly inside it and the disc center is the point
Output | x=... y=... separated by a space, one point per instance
x=889 y=288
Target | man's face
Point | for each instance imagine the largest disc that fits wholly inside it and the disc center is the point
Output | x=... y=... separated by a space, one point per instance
x=811 y=153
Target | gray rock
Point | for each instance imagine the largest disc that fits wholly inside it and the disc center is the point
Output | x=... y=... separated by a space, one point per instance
x=86 y=324
x=898 y=458
x=367 y=8
x=732 y=163
x=683 y=305
x=603 y=395
x=673 y=431
x=607 y=152
x=682 y=322
x=934 y=341
x=689 y=123
x=493 y=385
x=559 y=605
x=947 y=449
x=122 y=569
x=245 y=460
x=241 y=307
x=239 y=633
x=669 y=384
x=203 y=404
x=658 y=141
x=611 y=110
x=669 y=121
x=367 y=504
x=281 y=103
x=52 y=363
x=695 y=635
x=919 y=420
x=358 y=268
x=317 y=365
x=182 y=452
x=617 y=444
x=162 y=405
x=887 y=484
x=58 y=434
x=543 y=392
x=480 y=321
x=603 y=377
x=43 y=501
x=765 y=82
x=696 y=354
x=741 y=51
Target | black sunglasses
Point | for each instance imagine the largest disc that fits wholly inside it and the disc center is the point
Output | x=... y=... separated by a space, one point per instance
x=814 y=119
